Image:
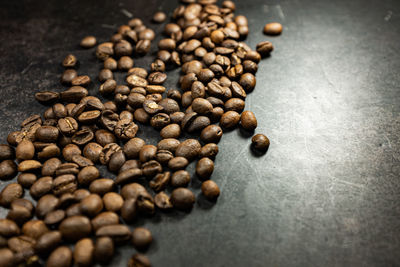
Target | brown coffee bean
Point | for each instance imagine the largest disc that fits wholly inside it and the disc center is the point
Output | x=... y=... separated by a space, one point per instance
x=34 y=228
x=6 y=152
x=64 y=184
x=67 y=76
x=54 y=217
x=260 y=143
x=133 y=147
x=273 y=28
x=169 y=144
x=21 y=244
x=159 y=17
x=75 y=227
x=7 y=258
x=67 y=168
x=107 y=152
x=70 y=61
x=141 y=238
x=82 y=161
x=182 y=198
x=230 y=119
x=47 y=134
x=113 y=201
x=41 y=187
x=74 y=94
x=189 y=149
x=147 y=152
x=201 y=106
x=210 y=190
x=248 y=120
x=46 y=204
x=8 y=228
x=204 y=168
x=68 y=126
x=128 y=176
x=91 y=205
x=83 y=252
x=25 y=150
x=139 y=260
x=103 y=250
x=8 y=169
x=143 y=47
x=264 y=48
x=249 y=66
x=118 y=232
x=10 y=193
x=92 y=151
x=180 y=178
x=88 y=42
x=178 y=163
x=83 y=80
x=27 y=179
x=88 y=174
x=60 y=257
x=47 y=242
x=167 y=44
x=162 y=201
x=163 y=156
x=141 y=116
x=21 y=211
x=235 y=104
x=160 y=181
x=170 y=131
x=170 y=105
x=71 y=150
x=151 y=168
x=102 y=186
x=125 y=129
x=177 y=117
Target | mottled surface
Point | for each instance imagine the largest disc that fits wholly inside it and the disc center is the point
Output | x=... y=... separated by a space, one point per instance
x=326 y=193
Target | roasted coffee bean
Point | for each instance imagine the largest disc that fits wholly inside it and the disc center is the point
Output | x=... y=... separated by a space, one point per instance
x=10 y=193
x=92 y=151
x=209 y=150
x=118 y=232
x=170 y=144
x=7 y=258
x=59 y=110
x=180 y=178
x=88 y=174
x=136 y=100
x=105 y=75
x=169 y=105
x=143 y=47
x=167 y=44
x=157 y=65
x=75 y=227
x=8 y=169
x=125 y=63
x=107 y=152
x=27 y=179
x=164 y=156
x=47 y=134
x=89 y=117
x=235 y=104
x=47 y=242
x=147 y=34
x=198 y=90
x=104 y=137
x=129 y=210
x=273 y=28
x=91 y=205
x=130 y=164
x=54 y=217
x=113 y=201
x=133 y=147
x=248 y=82
x=74 y=94
x=49 y=151
x=162 y=201
x=187 y=99
x=82 y=161
x=248 y=120
x=160 y=181
x=189 y=149
x=198 y=124
x=102 y=186
x=60 y=257
x=160 y=120
x=46 y=204
x=210 y=190
x=260 y=143
x=67 y=168
x=103 y=250
x=182 y=198
x=88 y=42
x=147 y=152
x=141 y=72
x=108 y=87
x=41 y=187
x=67 y=77
x=73 y=210
x=125 y=129
x=83 y=80
x=128 y=176
x=188 y=120
x=151 y=107
x=201 y=106
x=204 y=168
x=151 y=168
x=141 y=238
x=211 y=134
x=20 y=244
x=81 y=194
x=68 y=126
x=64 y=184
x=177 y=117
x=70 y=61
x=8 y=228
x=123 y=48
x=6 y=152
x=170 y=131
x=230 y=119
x=84 y=252
x=139 y=260
x=159 y=17
x=264 y=48
x=34 y=229
x=70 y=150
x=178 y=163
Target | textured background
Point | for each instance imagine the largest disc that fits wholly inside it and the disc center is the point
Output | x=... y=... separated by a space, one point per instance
x=326 y=193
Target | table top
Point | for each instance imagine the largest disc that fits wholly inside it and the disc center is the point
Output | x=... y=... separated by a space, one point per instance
x=327 y=191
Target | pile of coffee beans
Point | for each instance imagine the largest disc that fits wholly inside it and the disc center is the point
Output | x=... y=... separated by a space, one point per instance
x=56 y=156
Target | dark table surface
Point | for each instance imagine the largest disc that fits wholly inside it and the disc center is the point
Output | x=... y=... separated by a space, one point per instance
x=327 y=191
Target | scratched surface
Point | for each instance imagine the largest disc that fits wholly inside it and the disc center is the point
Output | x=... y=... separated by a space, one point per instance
x=326 y=193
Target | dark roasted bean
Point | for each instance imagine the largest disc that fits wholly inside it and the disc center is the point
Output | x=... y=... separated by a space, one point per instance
x=260 y=143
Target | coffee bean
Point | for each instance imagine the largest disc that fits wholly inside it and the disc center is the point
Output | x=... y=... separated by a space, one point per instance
x=7 y=258
x=10 y=193
x=143 y=47
x=189 y=149
x=6 y=152
x=73 y=210
x=27 y=179
x=147 y=152
x=46 y=204
x=70 y=61
x=118 y=232
x=64 y=184
x=67 y=126
x=157 y=65
x=47 y=97
x=54 y=217
x=126 y=129
x=88 y=42
x=201 y=106
x=88 y=174
x=210 y=190
x=170 y=105
x=162 y=201
x=159 y=17
x=128 y=176
x=60 y=257
x=8 y=169
x=204 y=168
x=67 y=76
x=8 y=228
x=141 y=238
x=92 y=151
x=230 y=119
x=107 y=152
x=171 y=131
x=47 y=242
x=178 y=163
x=82 y=161
x=273 y=28
x=75 y=227
x=41 y=187
x=47 y=134
x=74 y=94
x=102 y=186
x=160 y=181
x=249 y=66
x=177 y=117
x=139 y=260
x=264 y=48
x=260 y=143
x=21 y=243
x=167 y=44
x=49 y=151
x=125 y=63
x=91 y=205
x=83 y=252
x=34 y=228
x=151 y=168
x=103 y=250
x=180 y=178
x=235 y=104
x=163 y=156
x=113 y=201
x=182 y=198
x=67 y=168
x=83 y=80
x=160 y=120
x=198 y=124
x=151 y=107
x=248 y=120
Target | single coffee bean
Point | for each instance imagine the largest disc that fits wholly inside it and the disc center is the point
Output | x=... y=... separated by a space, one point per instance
x=129 y=209
x=47 y=134
x=273 y=28
x=107 y=152
x=25 y=150
x=147 y=34
x=151 y=168
x=186 y=99
x=141 y=72
x=147 y=152
x=24 y=166
x=67 y=168
x=198 y=124
x=41 y=187
x=47 y=242
x=141 y=238
x=64 y=184
x=6 y=152
x=160 y=181
x=104 y=137
x=182 y=198
x=164 y=156
x=110 y=64
x=67 y=76
x=108 y=87
x=210 y=190
x=177 y=117
x=162 y=201
x=113 y=201
x=125 y=63
x=139 y=260
x=91 y=205
x=170 y=144
x=88 y=42
x=118 y=232
x=264 y=48
x=73 y=210
x=54 y=217
x=211 y=134
x=170 y=131
x=157 y=65
x=60 y=257
x=34 y=228
x=46 y=204
x=67 y=126
x=260 y=143
x=88 y=174
x=204 y=168
x=20 y=244
x=248 y=120
x=102 y=186
x=70 y=61
x=235 y=104
x=230 y=119
x=178 y=163
x=159 y=17
x=201 y=106
x=160 y=120
x=8 y=228
x=128 y=176
x=123 y=48
x=83 y=252
x=10 y=193
x=8 y=169
x=125 y=129
x=27 y=179
x=151 y=107
x=189 y=149
x=180 y=178
x=130 y=164
x=248 y=82
x=74 y=228
x=74 y=94
x=143 y=47
x=83 y=80
x=82 y=161
x=103 y=250
x=133 y=147
x=92 y=151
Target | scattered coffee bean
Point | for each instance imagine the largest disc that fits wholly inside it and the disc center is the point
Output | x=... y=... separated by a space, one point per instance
x=264 y=48
x=141 y=238
x=273 y=28
x=260 y=143
x=182 y=198
x=210 y=190
x=159 y=17
x=139 y=260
